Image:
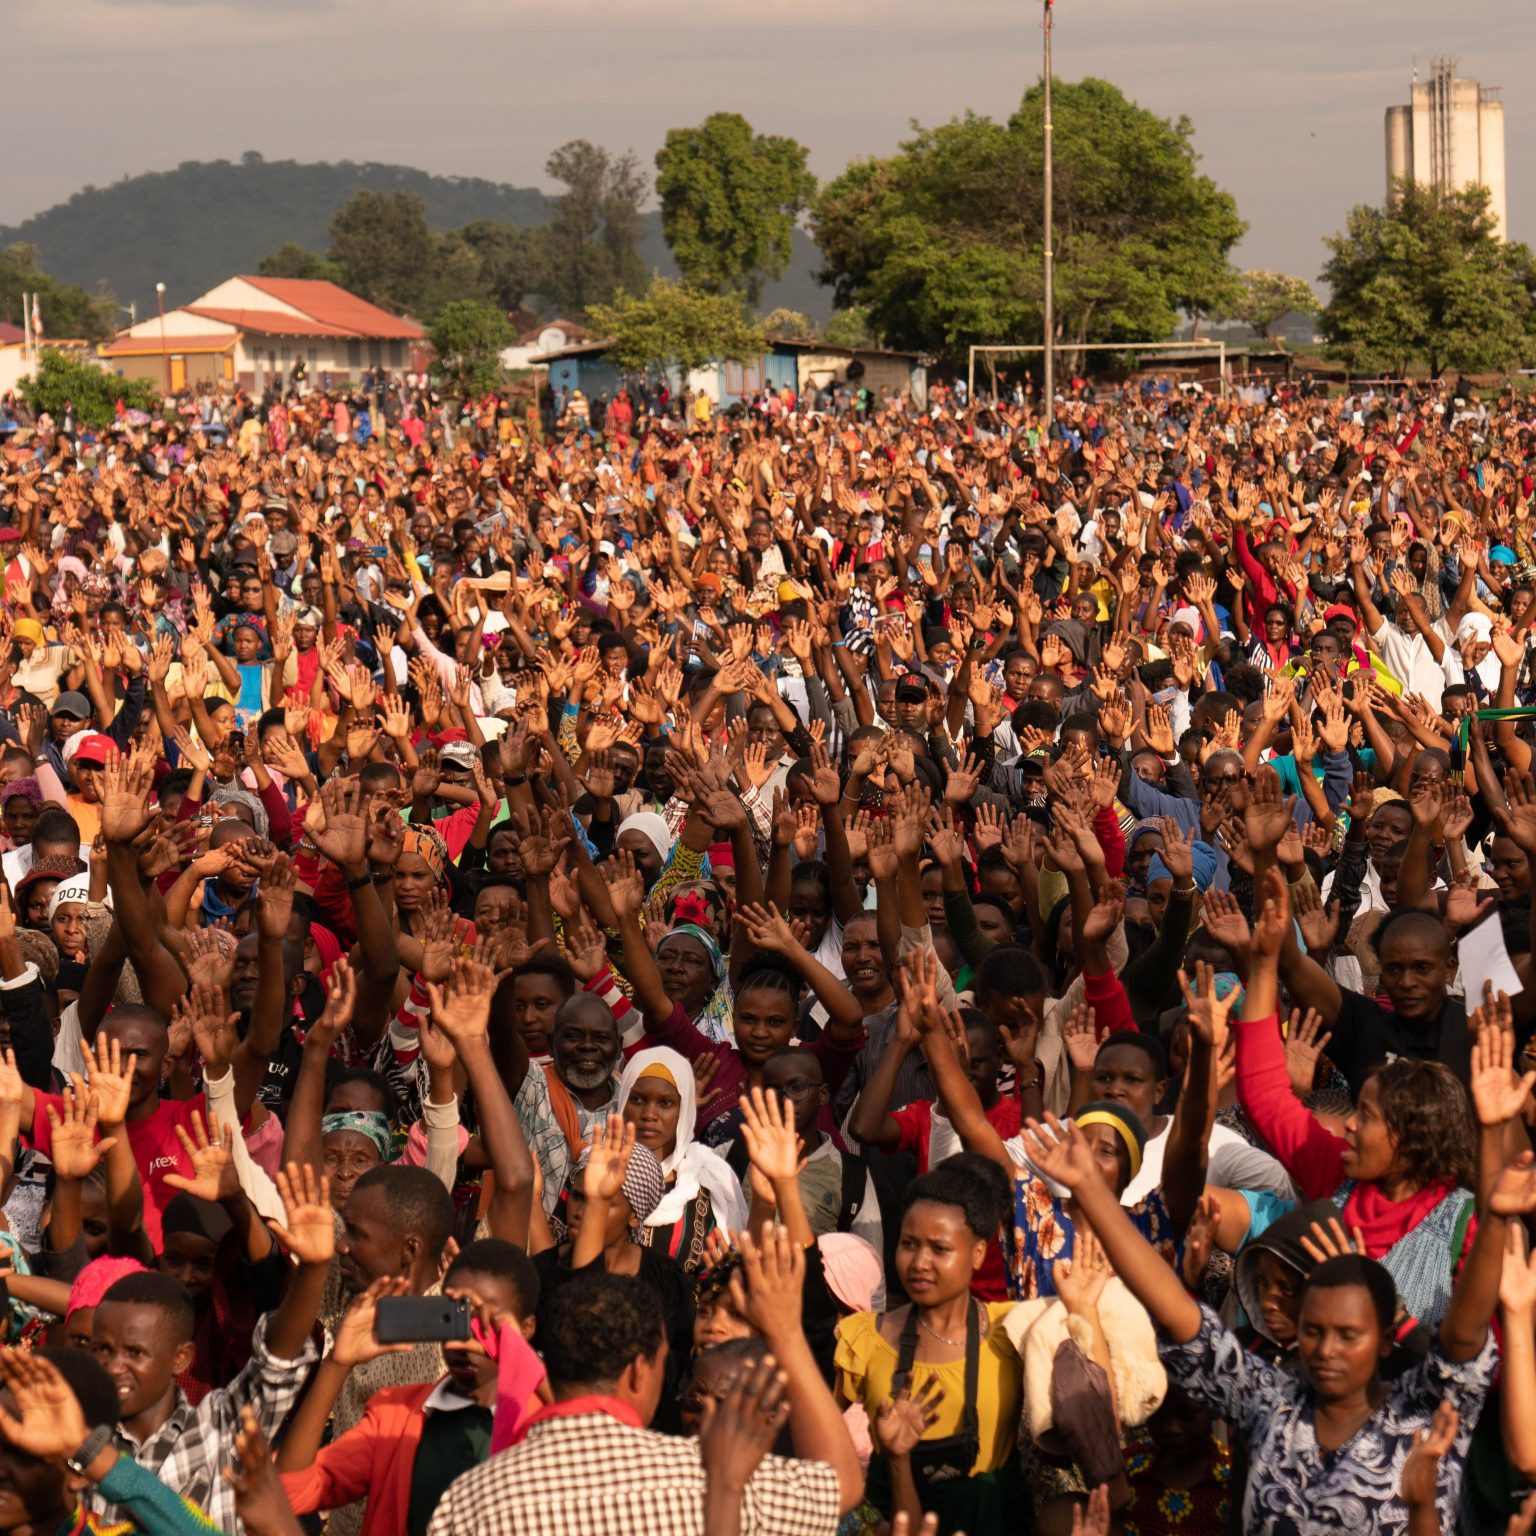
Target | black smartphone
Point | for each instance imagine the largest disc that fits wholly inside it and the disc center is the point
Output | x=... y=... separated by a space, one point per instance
x=417 y=1319
x=237 y=743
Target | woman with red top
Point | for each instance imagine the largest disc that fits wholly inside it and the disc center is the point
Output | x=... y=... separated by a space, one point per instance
x=1402 y=1172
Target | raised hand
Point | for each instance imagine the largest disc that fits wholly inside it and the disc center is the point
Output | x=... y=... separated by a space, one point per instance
x=1305 y=1042
x=1419 y=1482
x=1207 y=1012
x=626 y=885
x=76 y=1152
x=740 y=1428
x=1499 y=1093
x=111 y=1078
x=462 y=1008
x=125 y=788
x=608 y=1164
x=1268 y=811
x=356 y=1339
x=340 y=1000
x=213 y=1027
x=337 y=823
x=767 y=928
x=213 y=1163
x=48 y=1422
x=1080 y=1280
x=768 y=1130
x=308 y=1231
x=903 y=1419
x=1060 y=1151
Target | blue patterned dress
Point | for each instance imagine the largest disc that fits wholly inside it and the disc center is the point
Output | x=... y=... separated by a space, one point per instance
x=1295 y=1488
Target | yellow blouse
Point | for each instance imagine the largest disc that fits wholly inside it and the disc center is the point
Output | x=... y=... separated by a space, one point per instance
x=866 y=1364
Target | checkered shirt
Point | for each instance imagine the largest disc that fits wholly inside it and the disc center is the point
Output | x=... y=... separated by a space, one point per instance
x=189 y=1450
x=588 y=1474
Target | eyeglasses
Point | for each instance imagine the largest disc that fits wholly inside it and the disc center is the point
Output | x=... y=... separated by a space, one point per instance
x=797 y=1089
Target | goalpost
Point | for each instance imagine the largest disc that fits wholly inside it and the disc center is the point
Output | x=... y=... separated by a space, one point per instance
x=1203 y=345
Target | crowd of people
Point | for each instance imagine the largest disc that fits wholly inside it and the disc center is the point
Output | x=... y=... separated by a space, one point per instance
x=830 y=966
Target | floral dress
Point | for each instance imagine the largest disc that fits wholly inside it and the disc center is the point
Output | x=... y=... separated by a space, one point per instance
x=1295 y=1487
x=1043 y=1233
x=1159 y=1510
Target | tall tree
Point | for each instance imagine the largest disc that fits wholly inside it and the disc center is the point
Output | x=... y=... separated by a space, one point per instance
x=588 y=250
x=672 y=324
x=468 y=337
x=292 y=260
x=1426 y=280
x=68 y=311
x=943 y=242
x=1269 y=296
x=382 y=242
x=729 y=201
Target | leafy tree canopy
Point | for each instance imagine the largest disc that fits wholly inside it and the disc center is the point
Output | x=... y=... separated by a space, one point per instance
x=292 y=260
x=1426 y=280
x=1265 y=297
x=69 y=312
x=672 y=323
x=587 y=254
x=468 y=337
x=787 y=322
x=94 y=391
x=729 y=200
x=942 y=243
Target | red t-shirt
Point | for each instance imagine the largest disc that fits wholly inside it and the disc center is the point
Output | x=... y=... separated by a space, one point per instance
x=156 y=1149
x=990 y=1282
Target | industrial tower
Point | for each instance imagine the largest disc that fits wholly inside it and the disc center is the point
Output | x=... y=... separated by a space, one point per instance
x=1449 y=136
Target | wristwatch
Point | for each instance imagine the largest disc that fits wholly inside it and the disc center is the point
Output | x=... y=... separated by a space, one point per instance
x=90 y=1448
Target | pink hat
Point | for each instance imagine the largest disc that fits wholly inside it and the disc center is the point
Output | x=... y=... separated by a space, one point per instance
x=96 y=1279
x=853 y=1269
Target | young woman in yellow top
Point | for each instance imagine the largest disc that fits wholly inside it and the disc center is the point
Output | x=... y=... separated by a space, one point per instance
x=910 y=1367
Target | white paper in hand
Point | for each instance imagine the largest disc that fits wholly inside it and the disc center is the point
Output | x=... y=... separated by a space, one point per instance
x=1484 y=958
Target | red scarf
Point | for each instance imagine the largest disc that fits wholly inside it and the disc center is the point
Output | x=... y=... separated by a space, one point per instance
x=1382 y=1221
x=570 y=1407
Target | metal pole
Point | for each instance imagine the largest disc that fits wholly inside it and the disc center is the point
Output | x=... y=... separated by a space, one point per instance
x=165 y=356
x=1049 y=382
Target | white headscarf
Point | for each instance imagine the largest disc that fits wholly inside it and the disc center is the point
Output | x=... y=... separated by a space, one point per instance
x=653 y=828
x=690 y=1165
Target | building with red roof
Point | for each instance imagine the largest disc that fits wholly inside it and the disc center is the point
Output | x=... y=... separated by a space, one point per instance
x=255 y=330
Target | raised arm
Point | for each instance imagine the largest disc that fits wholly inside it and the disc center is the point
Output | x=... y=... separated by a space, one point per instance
x=461 y=1009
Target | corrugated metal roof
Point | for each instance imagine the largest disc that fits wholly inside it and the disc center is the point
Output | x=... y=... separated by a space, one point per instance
x=333 y=305
x=270 y=322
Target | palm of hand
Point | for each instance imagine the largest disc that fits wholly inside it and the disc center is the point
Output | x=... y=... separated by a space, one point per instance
x=899 y=1426
x=1514 y=1192
x=311 y=1234
x=1498 y=1095
x=74 y=1151
x=210 y=1165
x=345 y=838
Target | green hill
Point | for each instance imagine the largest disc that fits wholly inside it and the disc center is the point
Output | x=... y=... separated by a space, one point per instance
x=207 y=220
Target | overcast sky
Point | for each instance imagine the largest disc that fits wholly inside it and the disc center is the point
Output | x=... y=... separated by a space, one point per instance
x=1287 y=99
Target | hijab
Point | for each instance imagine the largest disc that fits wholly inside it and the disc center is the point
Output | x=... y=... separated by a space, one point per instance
x=690 y=1166
x=715 y=1018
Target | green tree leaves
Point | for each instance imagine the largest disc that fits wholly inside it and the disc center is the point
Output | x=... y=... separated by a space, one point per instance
x=69 y=312
x=943 y=242
x=94 y=391
x=729 y=200
x=1268 y=296
x=673 y=324
x=1425 y=280
x=468 y=337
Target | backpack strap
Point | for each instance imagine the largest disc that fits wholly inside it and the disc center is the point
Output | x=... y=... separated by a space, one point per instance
x=855 y=1183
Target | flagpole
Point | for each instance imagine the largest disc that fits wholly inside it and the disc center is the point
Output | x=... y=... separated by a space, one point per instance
x=1050 y=255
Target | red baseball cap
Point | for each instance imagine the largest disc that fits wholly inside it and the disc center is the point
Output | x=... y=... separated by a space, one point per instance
x=96 y=749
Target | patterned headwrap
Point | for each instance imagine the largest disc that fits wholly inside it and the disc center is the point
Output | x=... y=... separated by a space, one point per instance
x=372 y=1123
x=644 y=1184
x=427 y=844
x=716 y=1019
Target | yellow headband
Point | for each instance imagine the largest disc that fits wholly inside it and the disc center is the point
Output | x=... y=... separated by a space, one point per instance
x=657 y=1070
x=1118 y=1126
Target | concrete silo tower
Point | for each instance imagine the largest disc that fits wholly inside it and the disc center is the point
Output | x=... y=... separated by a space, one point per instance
x=1450 y=135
